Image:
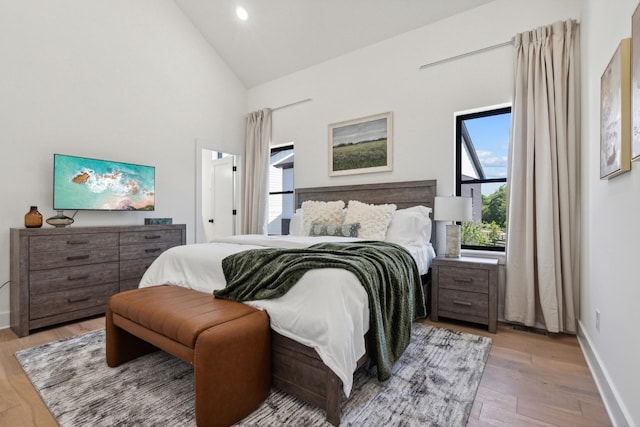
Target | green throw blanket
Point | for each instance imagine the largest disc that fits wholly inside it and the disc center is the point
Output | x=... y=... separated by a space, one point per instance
x=386 y=270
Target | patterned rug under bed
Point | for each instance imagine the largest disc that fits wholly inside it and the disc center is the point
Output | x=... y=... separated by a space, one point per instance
x=433 y=384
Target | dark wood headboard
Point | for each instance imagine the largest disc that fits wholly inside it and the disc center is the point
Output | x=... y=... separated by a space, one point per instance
x=402 y=194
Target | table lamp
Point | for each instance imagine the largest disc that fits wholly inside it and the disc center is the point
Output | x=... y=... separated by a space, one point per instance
x=452 y=209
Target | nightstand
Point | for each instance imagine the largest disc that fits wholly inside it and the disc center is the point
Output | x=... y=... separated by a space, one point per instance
x=465 y=289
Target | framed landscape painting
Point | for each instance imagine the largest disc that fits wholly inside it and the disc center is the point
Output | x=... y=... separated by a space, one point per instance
x=615 y=112
x=635 y=85
x=361 y=145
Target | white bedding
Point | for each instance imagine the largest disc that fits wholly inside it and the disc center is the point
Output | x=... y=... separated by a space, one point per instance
x=327 y=310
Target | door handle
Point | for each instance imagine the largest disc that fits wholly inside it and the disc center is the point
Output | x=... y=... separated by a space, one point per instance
x=211 y=221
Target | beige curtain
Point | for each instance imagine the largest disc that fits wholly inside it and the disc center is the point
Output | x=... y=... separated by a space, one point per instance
x=543 y=192
x=256 y=182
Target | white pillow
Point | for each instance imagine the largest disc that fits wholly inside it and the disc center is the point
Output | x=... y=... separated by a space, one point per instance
x=325 y=212
x=296 y=225
x=411 y=226
x=373 y=219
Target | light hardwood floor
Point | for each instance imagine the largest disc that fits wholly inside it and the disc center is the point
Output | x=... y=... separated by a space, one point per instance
x=529 y=380
x=534 y=380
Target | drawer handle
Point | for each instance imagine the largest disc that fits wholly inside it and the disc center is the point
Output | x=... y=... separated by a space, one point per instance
x=71 y=278
x=72 y=300
x=152 y=237
x=465 y=303
x=76 y=258
x=77 y=242
x=465 y=280
x=152 y=250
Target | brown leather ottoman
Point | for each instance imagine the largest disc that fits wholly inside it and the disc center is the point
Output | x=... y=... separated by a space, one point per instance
x=227 y=342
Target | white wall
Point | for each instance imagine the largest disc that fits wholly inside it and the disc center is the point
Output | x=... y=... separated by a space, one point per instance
x=121 y=80
x=610 y=275
x=385 y=77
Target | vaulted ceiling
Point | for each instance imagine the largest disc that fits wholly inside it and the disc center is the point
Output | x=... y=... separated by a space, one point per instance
x=283 y=36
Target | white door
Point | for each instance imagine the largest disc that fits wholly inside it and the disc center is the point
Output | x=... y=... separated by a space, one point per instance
x=218 y=217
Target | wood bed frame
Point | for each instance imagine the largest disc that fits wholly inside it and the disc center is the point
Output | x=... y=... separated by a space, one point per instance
x=296 y=368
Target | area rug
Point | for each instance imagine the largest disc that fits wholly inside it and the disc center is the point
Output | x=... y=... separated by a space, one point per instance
x=433 y=384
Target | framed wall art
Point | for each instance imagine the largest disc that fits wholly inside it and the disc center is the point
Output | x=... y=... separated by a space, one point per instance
x=361 y=145
x=635 y=85
x=615 y=112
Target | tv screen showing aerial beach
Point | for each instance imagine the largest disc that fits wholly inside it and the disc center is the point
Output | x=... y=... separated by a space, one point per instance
x=90 y=184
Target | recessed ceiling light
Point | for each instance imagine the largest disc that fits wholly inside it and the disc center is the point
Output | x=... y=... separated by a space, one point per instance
x=242 y=13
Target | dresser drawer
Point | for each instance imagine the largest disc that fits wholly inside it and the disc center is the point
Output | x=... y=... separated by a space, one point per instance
x=464 y=279
x=61 y=279
x=56 y=303
x=147 y=250
x=134 y=268
x=138 y=237
x=69 y=258
x=126 y=285
x=73 y=242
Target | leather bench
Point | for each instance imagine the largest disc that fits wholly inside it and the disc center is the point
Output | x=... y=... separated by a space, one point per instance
x=227 y=342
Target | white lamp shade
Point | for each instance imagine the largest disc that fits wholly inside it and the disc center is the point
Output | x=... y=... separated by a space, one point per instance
x=452 y=209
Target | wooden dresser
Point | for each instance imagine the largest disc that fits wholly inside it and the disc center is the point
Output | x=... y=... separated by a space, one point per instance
x=63 y=274
x=465 y=289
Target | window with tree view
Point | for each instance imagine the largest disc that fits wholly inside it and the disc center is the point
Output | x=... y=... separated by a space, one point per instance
x=482 y=144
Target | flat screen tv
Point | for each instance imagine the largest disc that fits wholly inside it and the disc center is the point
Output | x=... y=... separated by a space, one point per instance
x=80 y=183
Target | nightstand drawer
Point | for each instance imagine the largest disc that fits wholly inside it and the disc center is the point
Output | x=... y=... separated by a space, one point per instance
x=464 y=279
x=467 y=303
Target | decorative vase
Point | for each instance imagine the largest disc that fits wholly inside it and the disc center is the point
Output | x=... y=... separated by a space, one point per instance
x=33 y=218
x=60 y=220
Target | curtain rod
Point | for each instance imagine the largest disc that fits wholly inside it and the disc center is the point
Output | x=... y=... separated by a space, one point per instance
x=291 y=104
x=462 y=55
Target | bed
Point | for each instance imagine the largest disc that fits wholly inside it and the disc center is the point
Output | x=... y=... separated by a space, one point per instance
x=316 y=366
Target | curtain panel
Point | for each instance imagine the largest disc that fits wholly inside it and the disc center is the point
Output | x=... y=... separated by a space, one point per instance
x=542 y=283
x=256 y=182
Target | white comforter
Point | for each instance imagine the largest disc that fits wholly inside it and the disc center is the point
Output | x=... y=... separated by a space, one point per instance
x=327 y=310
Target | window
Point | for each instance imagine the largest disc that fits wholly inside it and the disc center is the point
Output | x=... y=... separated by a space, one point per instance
x=482 y=144
x=281 y=198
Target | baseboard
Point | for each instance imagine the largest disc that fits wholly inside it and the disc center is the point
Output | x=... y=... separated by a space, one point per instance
x=5 y=321
x=617 y=413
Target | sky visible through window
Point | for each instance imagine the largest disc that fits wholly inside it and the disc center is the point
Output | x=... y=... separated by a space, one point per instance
x=490 y=136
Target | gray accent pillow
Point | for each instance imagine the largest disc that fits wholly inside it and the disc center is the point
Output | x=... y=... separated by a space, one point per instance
x=340 y=230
